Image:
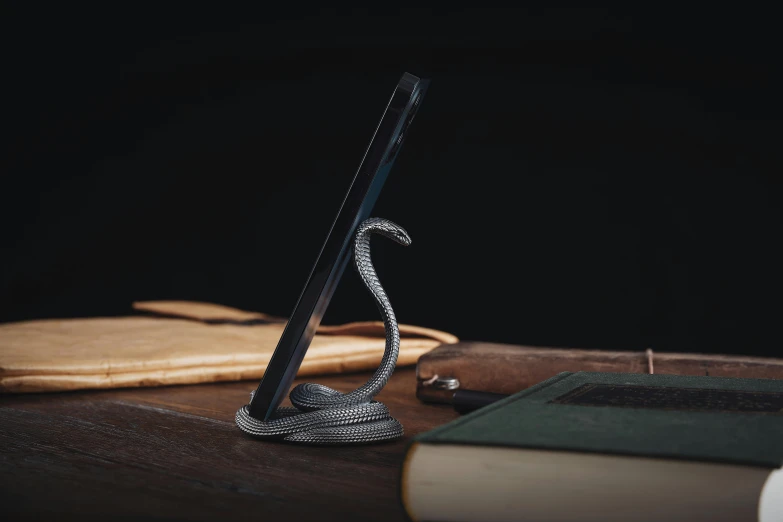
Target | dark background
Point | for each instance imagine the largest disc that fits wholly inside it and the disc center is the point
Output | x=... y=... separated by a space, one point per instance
x=590 y=178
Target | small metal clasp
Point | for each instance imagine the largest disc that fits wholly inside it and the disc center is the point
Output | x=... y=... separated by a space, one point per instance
x=442 y=383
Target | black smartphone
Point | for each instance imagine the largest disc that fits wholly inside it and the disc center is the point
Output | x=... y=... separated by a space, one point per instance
x=335 y=254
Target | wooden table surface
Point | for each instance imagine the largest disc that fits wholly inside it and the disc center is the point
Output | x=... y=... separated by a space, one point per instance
x=175 y=453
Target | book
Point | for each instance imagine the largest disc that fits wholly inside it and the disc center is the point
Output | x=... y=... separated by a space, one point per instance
x=587 y=446
x=509 y=368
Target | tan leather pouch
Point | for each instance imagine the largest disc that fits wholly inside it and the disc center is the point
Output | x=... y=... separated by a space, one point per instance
x=181 y=342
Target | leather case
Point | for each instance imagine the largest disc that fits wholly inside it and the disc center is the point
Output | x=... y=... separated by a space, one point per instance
x=506 y=368
x=183 y=342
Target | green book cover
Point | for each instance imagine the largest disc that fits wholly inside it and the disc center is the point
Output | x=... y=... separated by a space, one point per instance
x=730 y=420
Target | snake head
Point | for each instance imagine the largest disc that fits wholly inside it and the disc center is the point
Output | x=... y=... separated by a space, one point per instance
x=385 y=228
x=394 y=232
x=400 y=235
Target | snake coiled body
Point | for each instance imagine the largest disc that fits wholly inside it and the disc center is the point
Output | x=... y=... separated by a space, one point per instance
x=323 y=416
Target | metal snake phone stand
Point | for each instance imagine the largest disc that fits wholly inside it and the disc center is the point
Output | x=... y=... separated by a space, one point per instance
x=323 y=416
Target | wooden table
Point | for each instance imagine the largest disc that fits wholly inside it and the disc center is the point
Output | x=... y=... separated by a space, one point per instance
x=175 y=453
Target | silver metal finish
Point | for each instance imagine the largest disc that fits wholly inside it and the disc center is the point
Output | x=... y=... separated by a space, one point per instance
x=323 y=416
x=446 y=383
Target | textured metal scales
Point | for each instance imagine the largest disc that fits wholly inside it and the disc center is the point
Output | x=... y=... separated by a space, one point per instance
x=323 y=416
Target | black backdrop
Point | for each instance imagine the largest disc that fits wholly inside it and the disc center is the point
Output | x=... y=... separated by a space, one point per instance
x=584 y=178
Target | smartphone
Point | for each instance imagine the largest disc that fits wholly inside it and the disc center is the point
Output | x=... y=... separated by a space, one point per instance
x=336 y=251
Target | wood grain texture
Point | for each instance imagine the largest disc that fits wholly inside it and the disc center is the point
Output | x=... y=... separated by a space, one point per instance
x=174 y=453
